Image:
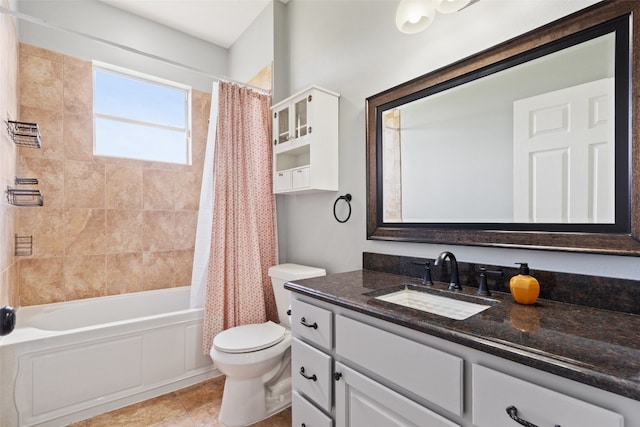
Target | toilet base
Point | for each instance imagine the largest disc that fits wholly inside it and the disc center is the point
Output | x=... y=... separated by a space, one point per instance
x=246 y=402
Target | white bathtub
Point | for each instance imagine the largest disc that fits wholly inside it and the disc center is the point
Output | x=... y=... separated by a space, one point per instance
x=69 y=361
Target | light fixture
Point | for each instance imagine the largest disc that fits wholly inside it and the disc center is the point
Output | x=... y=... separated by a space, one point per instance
x=413 y=16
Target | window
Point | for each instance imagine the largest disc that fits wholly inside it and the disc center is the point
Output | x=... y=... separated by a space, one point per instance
x=140 y=117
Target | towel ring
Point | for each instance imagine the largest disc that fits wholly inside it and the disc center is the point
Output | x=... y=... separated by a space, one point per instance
x=347 y=198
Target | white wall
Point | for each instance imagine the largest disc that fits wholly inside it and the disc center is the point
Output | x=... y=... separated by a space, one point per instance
x=353 y=47
x=254 y=49
x=198 y=60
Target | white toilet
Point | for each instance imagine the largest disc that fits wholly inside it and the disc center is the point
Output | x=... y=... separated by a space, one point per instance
x=257 y=358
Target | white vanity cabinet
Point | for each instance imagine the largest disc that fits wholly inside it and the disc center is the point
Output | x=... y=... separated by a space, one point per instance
x=386 y=375
x=305 y=142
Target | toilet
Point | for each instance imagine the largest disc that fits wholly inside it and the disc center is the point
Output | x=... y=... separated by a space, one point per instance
x=256 y=359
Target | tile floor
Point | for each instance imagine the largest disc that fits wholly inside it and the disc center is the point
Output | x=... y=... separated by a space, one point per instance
x=195 y=406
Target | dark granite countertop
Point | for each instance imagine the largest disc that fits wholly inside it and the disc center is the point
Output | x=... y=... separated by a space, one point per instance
x=597 y=347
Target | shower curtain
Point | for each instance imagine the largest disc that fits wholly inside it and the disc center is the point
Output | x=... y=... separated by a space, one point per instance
x=243 y=232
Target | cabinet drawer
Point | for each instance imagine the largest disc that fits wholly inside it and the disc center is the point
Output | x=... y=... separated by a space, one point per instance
x=494 y=392
x=361 y=401
x=311 y=373
x=432 y=374
x=300 y=178
x=313 y=324
x=282 y=181
x=303 y=413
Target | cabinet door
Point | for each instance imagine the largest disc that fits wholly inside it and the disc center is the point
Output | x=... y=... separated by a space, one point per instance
x=281 y=125
x=494 y=392
x=301 y=115
x=361 y=401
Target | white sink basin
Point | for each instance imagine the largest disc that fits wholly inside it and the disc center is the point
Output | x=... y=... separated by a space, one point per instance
x=442 y=306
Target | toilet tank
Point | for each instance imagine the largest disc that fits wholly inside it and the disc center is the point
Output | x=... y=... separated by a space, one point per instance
x=283 y=273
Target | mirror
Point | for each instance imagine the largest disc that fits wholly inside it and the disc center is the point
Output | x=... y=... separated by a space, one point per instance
x=527 y=144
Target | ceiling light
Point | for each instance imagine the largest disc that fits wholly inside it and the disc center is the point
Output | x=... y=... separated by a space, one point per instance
x=413 y=16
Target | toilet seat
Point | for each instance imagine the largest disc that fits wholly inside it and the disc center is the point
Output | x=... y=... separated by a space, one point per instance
x=249 y=338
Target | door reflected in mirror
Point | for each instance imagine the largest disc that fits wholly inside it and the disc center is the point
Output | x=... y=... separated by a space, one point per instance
x=533 y=143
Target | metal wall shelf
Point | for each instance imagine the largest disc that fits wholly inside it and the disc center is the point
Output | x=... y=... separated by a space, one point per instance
x=22 y=197
x=24 y=134
x=24 y=245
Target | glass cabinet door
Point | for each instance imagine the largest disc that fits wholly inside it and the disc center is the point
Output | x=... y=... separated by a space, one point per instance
x=301 y=121
x=282 y=129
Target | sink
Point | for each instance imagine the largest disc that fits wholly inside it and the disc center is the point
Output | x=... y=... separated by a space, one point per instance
x=447 y=306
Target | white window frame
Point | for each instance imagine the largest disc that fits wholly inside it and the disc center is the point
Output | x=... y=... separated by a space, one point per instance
x=146 y=78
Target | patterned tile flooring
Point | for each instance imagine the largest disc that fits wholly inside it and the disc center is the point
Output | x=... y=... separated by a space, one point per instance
x=195 y=406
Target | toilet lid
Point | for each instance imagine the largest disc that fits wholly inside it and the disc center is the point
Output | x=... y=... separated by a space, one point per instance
x=247 y=338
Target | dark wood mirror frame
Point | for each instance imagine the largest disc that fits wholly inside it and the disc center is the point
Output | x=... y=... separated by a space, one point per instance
x=618 y=243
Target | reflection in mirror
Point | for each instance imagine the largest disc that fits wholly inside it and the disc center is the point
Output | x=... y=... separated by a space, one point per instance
x=532 y=143
x=529 y=144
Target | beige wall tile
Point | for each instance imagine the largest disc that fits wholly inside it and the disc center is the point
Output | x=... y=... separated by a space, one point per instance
x=185 y=229
x=40 y=82
x=188 y=190
x=94 y=207
x=158 y=270
x=41 y=281
x=78 y=87
x=84 y=276
x=124 y=232
x=184 y=267
x=84 y=184
x=159 y=188
x=50 y=175
x=84 y=231
x=46 y=225
x=159 y=230
x=124 y=273
x=50 y=123
x=28 y=49
x=124 y=186
x=78 y=138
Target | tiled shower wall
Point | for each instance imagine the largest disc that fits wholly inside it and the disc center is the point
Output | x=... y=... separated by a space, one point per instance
x=108 y=226
x=8 y=109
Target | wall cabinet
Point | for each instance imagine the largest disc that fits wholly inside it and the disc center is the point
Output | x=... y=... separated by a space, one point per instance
x=373 y=373
x=305 y=142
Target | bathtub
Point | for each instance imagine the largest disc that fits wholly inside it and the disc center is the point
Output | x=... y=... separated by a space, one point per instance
x=68 y=361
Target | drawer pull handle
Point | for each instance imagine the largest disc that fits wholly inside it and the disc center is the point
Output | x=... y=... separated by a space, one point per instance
x=303 y=321
x=312 y=377
x=337 y=376
x=513 y=413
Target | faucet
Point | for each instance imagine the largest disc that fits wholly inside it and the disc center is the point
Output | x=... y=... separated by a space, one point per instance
x=454 y=284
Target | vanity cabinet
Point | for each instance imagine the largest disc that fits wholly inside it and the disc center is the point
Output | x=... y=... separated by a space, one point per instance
x=382 y=374
x=305 y=142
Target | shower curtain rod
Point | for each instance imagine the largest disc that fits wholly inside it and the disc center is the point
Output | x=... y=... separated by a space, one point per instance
x=39 y=21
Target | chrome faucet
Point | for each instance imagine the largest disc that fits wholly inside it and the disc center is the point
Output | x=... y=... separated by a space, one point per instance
x=454 y=282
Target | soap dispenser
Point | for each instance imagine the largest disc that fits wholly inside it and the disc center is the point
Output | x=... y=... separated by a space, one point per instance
x=524 y=288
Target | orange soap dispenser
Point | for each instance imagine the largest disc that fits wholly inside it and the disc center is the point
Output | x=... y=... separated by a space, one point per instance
x=524 y=288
